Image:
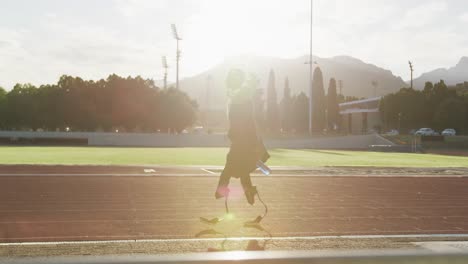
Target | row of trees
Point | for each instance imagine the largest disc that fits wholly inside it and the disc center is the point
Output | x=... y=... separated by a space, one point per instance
x=116 y=103
x=137 y=105
x=292 y=113
x=437 y=106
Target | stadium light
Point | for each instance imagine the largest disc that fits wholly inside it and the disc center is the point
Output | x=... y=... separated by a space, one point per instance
x=177 y=38
x=174 y=32
x=165 y=66
x=310 y=66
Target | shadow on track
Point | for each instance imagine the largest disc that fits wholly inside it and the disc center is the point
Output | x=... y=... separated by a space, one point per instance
x=252 y=245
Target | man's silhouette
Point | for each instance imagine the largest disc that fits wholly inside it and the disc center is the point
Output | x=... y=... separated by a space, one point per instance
x=246 y=146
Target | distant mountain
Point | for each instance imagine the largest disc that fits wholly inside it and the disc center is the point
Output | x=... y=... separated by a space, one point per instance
x=356 y=75
x=451 y=76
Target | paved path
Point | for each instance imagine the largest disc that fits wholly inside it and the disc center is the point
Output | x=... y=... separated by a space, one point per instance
x=73 y=208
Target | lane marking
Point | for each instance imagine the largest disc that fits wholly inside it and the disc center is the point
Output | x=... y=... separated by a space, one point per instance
x=101 y=174
x=165 y=240
x=300 y=218
x=133 y=210
x=210 y=172
x=444 y=246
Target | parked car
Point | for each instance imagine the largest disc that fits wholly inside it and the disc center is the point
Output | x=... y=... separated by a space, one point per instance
x=198 y=130
x=392 y=132
x=426 y=132
x=449 y=132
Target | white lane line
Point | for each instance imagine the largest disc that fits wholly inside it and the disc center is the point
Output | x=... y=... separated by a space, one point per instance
x=210 y=172
x=444 y=246
x=101 y=174
x=301 y=218
x=172 y=209
x=165 y=240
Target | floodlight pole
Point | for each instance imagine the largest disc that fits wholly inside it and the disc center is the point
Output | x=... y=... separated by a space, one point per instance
x=177 y=65
x=165 y=78
x=310 y=66
x=411 y=70
x=165 y=66
x=177 y=38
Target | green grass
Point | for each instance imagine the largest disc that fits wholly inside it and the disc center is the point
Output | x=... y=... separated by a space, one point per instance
x=216 y=156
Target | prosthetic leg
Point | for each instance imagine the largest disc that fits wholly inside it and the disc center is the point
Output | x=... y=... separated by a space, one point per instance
x=216 y=220
x=221 y=191
x=250 y=193
x=254 y=223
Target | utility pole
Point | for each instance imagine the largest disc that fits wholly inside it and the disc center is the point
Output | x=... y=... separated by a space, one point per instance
x=411 y=69
x=399 y=121
x=177 y=38
x=164 y=64
x=340 y=84
x=311 y=65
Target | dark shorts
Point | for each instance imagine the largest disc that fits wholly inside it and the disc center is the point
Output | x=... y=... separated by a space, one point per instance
x=242 y=159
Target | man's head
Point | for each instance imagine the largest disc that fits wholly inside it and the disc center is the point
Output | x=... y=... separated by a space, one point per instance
x=239 y=87
x=235 y=80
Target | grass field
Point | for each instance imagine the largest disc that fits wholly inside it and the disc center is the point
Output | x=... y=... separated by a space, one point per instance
x=216 y=156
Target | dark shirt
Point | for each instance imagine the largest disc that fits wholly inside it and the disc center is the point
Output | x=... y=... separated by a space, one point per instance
x=242 y=128
x=246 y=146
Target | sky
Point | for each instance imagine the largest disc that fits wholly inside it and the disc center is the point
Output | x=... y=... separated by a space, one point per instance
x=42 y=40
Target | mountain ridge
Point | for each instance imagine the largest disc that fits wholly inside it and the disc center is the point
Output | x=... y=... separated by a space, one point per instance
x=451 y=76
x=357 y=76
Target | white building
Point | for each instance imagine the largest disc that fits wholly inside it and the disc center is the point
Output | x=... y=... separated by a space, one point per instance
x=361 y=116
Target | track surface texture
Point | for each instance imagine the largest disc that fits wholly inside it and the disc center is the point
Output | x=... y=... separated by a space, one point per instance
x=83 y=208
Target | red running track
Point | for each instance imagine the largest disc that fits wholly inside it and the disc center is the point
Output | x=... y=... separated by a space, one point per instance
x=72 y=208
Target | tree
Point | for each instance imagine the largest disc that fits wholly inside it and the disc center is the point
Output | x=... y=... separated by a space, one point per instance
x=333 y=115
x=300 y=113
x=318 y=102
x=251 y=86
x=434 y=95
x=286 y=108
x=451 y=113
x=48 y=99
x=404 y=109
x=3 y=108
x=22 y=107
x=177 y=110
x=428 y=87
x=259 y=109
x=128 y=104
x=435 y=106
x=465 y=122
x=272 y=105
